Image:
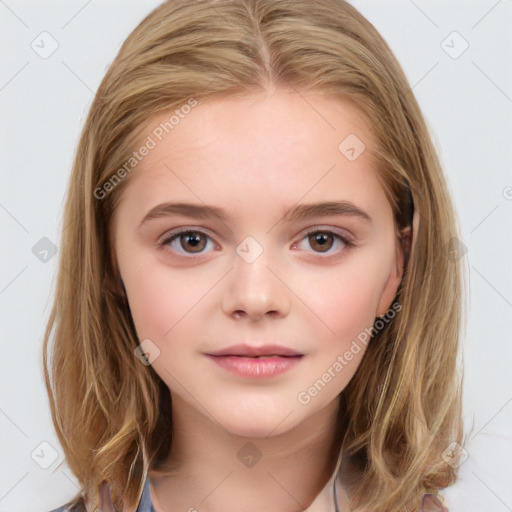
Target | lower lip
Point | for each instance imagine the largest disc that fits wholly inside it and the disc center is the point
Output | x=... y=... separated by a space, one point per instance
x=254 y=367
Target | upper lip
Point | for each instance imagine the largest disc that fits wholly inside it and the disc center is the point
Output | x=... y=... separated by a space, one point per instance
x=243 y=350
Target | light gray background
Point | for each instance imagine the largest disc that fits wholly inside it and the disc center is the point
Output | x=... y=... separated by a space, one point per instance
x=467 y=101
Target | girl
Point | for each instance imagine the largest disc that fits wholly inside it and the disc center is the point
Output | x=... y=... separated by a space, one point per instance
x=259 y=295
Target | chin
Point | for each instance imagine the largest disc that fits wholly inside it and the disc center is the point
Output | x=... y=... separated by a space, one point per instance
x=258 y=424
x=250 y=430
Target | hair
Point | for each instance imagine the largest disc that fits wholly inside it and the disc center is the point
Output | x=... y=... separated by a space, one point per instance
x=403 y=407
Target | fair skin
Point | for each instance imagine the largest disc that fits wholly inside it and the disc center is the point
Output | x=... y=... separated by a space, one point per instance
x=255 y=156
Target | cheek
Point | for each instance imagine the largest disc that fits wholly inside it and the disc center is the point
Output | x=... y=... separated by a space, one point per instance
x=158 y=299
x=345 y=298
x=345 y=301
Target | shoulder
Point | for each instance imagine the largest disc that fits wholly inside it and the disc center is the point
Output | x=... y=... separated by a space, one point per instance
x=69 y=507
x=431 y=503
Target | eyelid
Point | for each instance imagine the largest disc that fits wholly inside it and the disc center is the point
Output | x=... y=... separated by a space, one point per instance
x=342 y=233
x=180 y=230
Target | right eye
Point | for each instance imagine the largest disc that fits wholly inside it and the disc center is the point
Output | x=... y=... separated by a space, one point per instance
x=184 y=239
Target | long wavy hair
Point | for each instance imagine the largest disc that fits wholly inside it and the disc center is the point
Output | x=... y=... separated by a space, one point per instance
x=403 y=408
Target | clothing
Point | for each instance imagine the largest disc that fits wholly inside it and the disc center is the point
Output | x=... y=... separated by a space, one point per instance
x=324 y=502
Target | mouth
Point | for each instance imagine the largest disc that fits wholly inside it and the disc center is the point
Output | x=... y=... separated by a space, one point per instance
x=253 y=351
x=256 y=362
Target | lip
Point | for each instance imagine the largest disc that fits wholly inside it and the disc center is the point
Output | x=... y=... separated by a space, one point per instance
x=254 y=362
x=244 y=350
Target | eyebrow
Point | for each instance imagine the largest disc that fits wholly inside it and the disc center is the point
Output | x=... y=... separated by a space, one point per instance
x=297 y=213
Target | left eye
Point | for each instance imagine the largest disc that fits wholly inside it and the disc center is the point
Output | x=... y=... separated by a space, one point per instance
x=195 y=240
x=323 y=240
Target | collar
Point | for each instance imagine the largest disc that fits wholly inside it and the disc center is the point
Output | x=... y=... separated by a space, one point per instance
x=145 y=504
x=324 y=502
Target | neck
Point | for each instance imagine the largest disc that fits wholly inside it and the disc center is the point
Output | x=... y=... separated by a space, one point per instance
x=212 y=470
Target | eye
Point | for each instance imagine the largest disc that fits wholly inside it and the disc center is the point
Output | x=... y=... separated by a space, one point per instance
x=195 y=242
x=322 y=241
x=186 y=241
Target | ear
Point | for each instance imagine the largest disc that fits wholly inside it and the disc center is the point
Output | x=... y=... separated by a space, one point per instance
x=402 y=252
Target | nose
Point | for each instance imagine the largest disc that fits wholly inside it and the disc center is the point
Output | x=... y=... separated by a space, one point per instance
x=256 y=289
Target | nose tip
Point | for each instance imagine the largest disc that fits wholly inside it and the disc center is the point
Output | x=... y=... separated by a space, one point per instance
x=254 y=292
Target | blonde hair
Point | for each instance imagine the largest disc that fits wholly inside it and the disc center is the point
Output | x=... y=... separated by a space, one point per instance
x=403 y=407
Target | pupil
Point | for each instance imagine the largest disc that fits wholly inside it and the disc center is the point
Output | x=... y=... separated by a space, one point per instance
x=193 y=239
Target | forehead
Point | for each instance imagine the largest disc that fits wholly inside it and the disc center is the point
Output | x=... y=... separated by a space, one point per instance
x=280 y=146
x=276 y=119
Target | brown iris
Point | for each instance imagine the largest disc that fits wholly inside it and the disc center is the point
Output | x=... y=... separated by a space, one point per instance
x=193 y=238
x=321 y=241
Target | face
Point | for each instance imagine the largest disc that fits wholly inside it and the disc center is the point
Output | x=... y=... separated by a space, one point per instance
x=264 y=273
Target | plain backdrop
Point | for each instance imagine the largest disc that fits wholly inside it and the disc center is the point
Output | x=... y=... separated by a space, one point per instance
x=457 y=56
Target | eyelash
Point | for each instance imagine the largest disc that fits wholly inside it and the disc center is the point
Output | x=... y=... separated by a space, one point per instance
x=173 y=235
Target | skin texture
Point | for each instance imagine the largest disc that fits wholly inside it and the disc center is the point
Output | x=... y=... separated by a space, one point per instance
x=256 y=156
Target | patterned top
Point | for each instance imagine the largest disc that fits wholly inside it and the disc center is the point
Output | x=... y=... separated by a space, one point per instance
x=106 y=505
x=428 y=502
